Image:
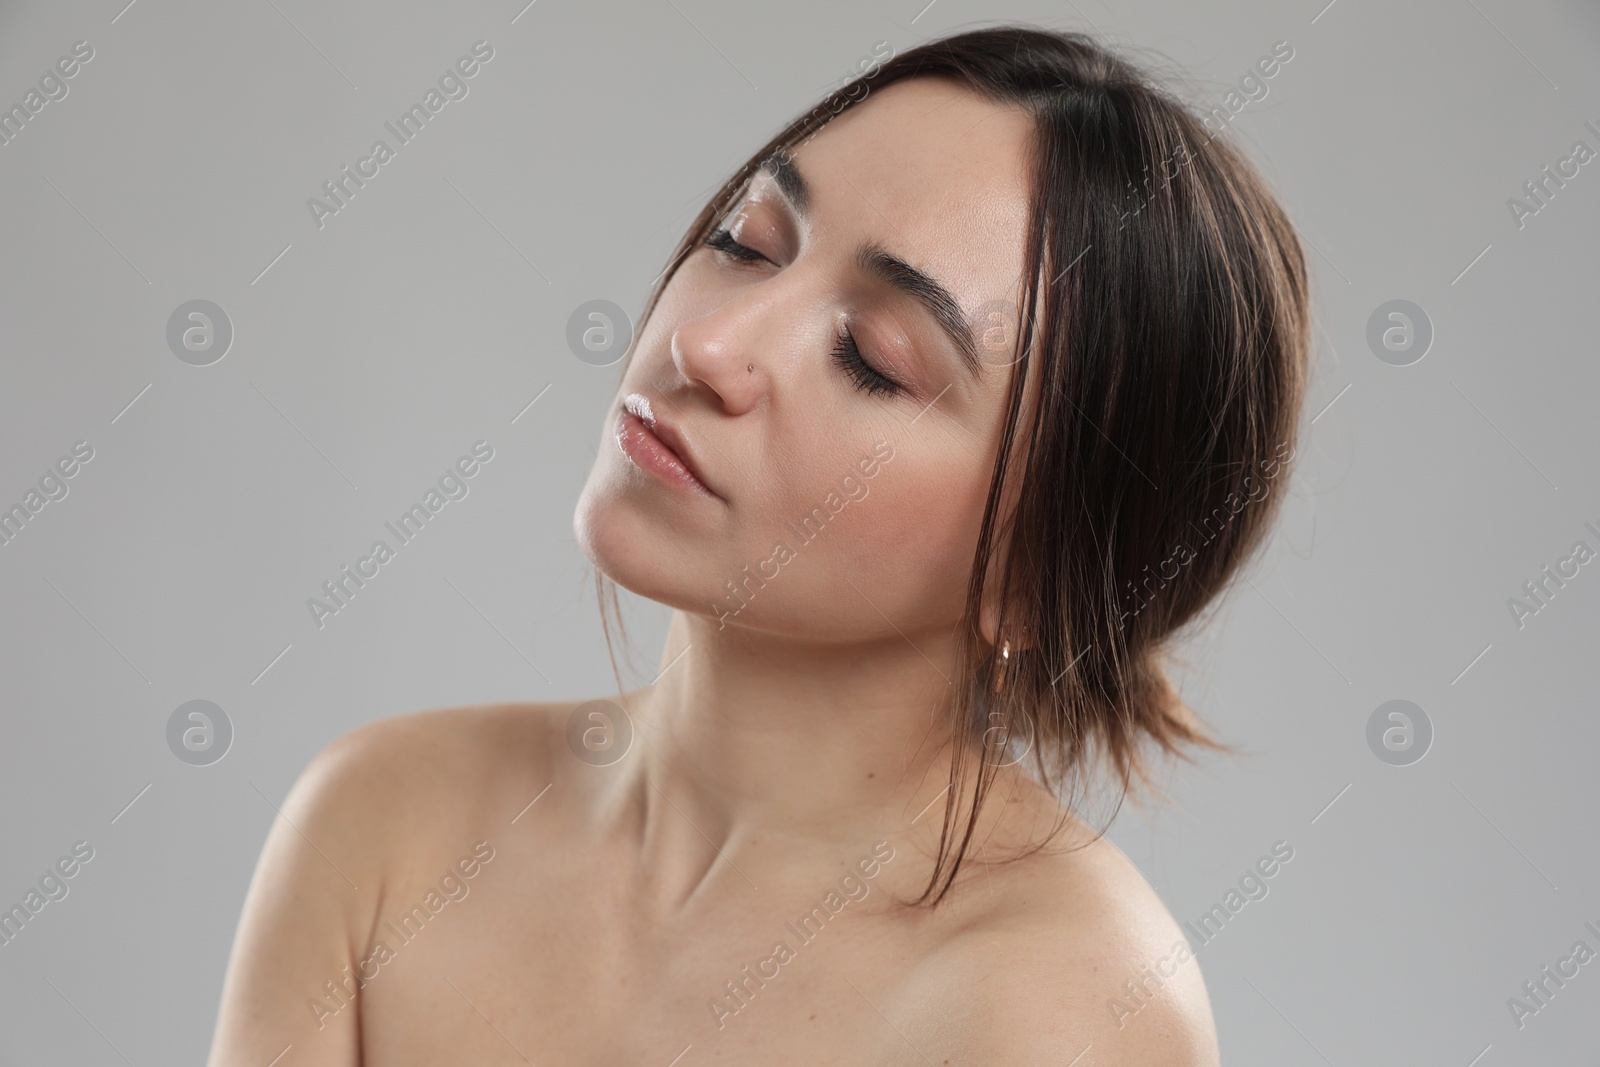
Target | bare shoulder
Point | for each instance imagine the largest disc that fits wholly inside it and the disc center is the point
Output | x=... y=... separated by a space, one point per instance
x=448 y=738
x=412 y=770
x=1071 y=953
x=391 y=793
x=375 y=810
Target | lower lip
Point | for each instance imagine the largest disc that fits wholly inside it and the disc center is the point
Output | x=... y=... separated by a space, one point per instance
x=648 y=452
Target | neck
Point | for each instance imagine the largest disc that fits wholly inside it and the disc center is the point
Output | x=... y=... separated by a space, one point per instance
x=808 y=749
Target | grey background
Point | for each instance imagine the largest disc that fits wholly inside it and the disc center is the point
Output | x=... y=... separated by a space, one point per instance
x=432 y=310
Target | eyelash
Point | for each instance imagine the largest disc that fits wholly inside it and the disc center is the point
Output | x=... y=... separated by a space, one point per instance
x=862 y=374
x=846 y=354
x=722 y=240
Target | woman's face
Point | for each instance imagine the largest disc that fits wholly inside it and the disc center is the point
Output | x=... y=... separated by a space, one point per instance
x=844 y=499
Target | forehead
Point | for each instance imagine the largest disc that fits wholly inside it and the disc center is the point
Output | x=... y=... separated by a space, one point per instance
x=934 y=172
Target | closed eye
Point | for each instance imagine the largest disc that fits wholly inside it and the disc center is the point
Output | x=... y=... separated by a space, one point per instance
x=863 y=375
x=723 y=241
x=846 y=355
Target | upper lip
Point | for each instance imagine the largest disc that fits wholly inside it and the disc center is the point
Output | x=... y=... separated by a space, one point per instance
x=638 y=405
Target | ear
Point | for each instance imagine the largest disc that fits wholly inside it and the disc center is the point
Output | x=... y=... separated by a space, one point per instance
x=989 y=623
x=995 y=577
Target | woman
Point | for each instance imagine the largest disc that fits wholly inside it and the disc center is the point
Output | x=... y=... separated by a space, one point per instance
x=956 y=403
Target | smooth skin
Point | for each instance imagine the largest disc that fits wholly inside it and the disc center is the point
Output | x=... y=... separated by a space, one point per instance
x=781 y=745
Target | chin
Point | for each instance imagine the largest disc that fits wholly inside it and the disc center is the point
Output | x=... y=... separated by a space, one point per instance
x=623 y=541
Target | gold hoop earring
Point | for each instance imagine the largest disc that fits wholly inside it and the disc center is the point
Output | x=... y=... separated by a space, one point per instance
x=1000 y=675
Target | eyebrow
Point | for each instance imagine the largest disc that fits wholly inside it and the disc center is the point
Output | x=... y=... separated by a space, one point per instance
x=929 y=293
x=878 y=262
x=790 y=181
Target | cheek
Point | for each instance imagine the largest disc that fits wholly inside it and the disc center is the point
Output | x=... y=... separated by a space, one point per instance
x=912 y=541
x=926 y=525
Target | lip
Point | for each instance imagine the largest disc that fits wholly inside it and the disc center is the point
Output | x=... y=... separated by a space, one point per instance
x=655 y=446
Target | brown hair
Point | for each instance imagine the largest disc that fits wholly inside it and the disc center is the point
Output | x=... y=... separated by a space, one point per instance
x=1166 y=309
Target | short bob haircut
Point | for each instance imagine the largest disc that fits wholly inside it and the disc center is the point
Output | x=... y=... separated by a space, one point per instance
x=1165 y=307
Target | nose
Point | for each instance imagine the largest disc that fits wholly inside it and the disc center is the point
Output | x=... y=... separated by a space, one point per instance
x=717 y=352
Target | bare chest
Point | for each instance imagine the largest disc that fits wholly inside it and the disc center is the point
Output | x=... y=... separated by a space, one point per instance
x=555 y=965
